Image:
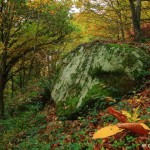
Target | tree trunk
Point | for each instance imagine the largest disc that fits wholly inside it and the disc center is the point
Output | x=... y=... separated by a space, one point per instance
x=12 y=87
x=2 y=106
x=3 y=77
x=31 y=68
x=48 y=63
x=136 y=11
x=20 y=81
x=23 y=72
x=121 y=24
x=118 y=31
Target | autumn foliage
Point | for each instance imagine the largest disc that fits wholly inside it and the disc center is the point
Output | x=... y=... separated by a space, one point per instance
x=118 y=115
x=138 y=128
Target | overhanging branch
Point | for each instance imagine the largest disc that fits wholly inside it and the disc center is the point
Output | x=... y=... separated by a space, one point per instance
x=16 y=58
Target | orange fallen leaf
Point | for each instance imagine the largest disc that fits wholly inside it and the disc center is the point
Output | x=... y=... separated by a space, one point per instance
x=118 y=115
x=145 y=93
x=134 y=127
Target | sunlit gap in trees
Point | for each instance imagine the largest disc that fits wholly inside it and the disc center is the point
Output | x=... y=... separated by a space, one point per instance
x=74 y=9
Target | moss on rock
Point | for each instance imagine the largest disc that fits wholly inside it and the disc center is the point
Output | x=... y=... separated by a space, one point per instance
x=66 y=108
x=95 y=70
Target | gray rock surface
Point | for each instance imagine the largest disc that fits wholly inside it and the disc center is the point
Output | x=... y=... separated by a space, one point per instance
x=96 y=70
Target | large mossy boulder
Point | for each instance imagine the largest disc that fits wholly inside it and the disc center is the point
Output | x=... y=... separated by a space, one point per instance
x=94 y=71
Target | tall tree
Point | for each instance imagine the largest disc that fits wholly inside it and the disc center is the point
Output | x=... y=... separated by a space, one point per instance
x=19 y=29
x=116 y=14
x=112 y=16
x=136 y=17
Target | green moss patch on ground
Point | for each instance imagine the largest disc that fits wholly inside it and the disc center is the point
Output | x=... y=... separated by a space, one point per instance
x=44 y=130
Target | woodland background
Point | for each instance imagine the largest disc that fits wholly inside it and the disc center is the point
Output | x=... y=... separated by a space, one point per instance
x=34 y=37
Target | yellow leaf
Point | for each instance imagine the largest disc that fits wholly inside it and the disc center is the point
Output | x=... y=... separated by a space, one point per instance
x=144 y=126
x=106 y=132
x=126 y=114
x=136 y=114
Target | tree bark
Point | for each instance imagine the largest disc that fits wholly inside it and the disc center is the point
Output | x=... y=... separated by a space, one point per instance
x=121 y=24
x=10 y=55
x=2 y=100
x=12 y=86
x=3 y=77
x=136 y=11
x=2 y=86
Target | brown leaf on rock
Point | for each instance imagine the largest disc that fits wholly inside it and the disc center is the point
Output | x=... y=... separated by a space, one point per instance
x=134 y=127
x=118 y=115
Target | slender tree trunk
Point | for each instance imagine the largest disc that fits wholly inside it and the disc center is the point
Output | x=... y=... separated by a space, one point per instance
x=136 y=11
x=23 y=72
x=2 y=85
x=1 y=104
x=122 y=29
x=5 y=22
x=12 y=87
x=118 y=31
x=121 y=24
x=20 y=81
x=34 y=50
x=3 y=77
x=48 y=63
x=31 y=68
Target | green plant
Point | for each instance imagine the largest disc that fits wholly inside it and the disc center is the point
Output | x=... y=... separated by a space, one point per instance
x=118 y=144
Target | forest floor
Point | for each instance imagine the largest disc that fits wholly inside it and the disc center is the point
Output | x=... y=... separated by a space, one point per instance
x=45 y=131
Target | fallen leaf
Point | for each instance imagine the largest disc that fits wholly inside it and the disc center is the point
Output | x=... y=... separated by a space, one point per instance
x=134 y=127
x=144 y=126
x=127 y=114
x=106 y=132
x=118 y=115
x=145 y=93
x=135 y=114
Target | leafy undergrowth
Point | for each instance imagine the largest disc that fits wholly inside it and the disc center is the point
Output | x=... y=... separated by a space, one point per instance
x=44 y=131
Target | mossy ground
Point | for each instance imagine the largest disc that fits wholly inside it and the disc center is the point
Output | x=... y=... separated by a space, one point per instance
x=67 y=108
x=32 y=130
